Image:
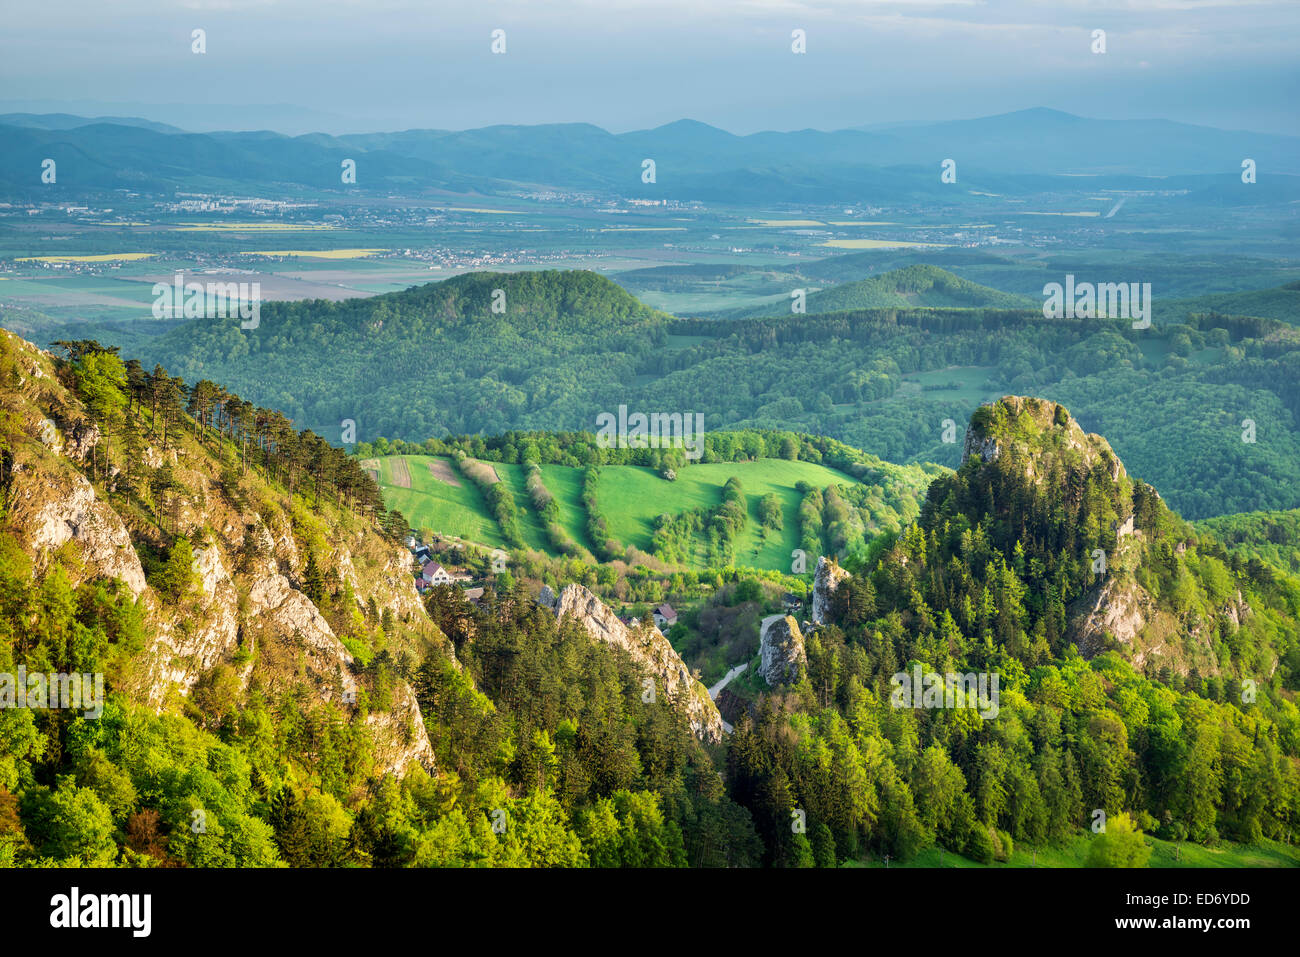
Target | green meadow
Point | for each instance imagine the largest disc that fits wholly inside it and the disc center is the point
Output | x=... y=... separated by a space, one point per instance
x=431 y=503
x=631 y=497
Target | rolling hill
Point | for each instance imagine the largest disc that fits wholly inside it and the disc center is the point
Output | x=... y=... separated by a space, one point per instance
x=434 y=361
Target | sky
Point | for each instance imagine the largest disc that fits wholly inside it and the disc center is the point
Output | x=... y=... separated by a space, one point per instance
x=341 y=66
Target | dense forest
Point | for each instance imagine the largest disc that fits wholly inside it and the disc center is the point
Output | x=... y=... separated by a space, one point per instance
x=1184 y=747
x=1271 y=536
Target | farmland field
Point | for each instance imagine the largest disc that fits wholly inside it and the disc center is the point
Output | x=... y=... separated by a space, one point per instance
x=631 y=497
x=456 y=510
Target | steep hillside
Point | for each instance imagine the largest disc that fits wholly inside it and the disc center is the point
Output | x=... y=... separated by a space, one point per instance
x=1102 y=562
x=1082 y=654
x=233 y=618
x=647 y=646
x=241 y=673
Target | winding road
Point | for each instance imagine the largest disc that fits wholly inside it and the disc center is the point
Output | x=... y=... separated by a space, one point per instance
x=726 y=679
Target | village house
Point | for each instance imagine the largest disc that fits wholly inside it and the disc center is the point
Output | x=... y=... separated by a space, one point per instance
x=665 y=617
x=435 y=574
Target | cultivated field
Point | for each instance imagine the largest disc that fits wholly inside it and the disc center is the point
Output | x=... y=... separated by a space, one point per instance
x=456 y=510
x=631 y=497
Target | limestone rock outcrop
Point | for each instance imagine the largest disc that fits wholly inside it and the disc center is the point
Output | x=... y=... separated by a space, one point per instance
x=649 y=649
x=782 y=656
x=825 y=581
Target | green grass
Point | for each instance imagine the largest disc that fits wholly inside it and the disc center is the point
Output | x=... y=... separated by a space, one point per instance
x=630 y=496
x=530 y=524
x=633 y=497
x=430 y=503
x=1074 y=853
x=566 y=485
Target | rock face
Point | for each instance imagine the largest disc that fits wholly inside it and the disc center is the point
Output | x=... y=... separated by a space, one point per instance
x=825 y=581
x=783 y=658
x=1113 y=608
x=50 y=509
x=983 y=446
x=649 y=649
x=246 y=608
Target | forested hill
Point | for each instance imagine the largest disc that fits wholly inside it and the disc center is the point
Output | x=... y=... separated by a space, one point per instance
x=472 y=353
x=1272 y=536
x=272 y=690
x=912 y=286
x=1147 y=676
x=1047 y=517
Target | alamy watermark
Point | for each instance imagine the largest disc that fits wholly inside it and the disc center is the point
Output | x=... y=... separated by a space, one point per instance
x=213 y=300
x=1110 y=300
x=922 y=689
x=658 y=430
x=84 y=692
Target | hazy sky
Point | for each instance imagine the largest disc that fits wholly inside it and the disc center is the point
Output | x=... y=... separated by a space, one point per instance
x=362 y=65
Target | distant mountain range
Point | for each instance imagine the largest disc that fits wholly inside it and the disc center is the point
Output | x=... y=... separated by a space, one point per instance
x=1031 y=151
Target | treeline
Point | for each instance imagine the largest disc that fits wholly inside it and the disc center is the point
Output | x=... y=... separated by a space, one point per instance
x=674 y=535
x=581 y=449
x=548 y=510
x=842 y=520
x=608 y=548
x=726 y=521
x=569 y=347
x=131 y=405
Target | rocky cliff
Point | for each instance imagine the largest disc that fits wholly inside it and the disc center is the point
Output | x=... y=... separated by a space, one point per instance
x=782 y=656
x=247 y=607
x=649 y=649
x=825 y=581
x=1147 y=588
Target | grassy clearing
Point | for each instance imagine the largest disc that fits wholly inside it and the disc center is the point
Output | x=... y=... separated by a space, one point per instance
x=566 y=485
x=632 y=498
x=529 y=521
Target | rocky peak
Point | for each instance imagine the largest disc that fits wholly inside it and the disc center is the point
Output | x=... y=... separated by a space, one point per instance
x=826 y=579
x=782 y=655
x=650 y=650
x=1031 y=432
